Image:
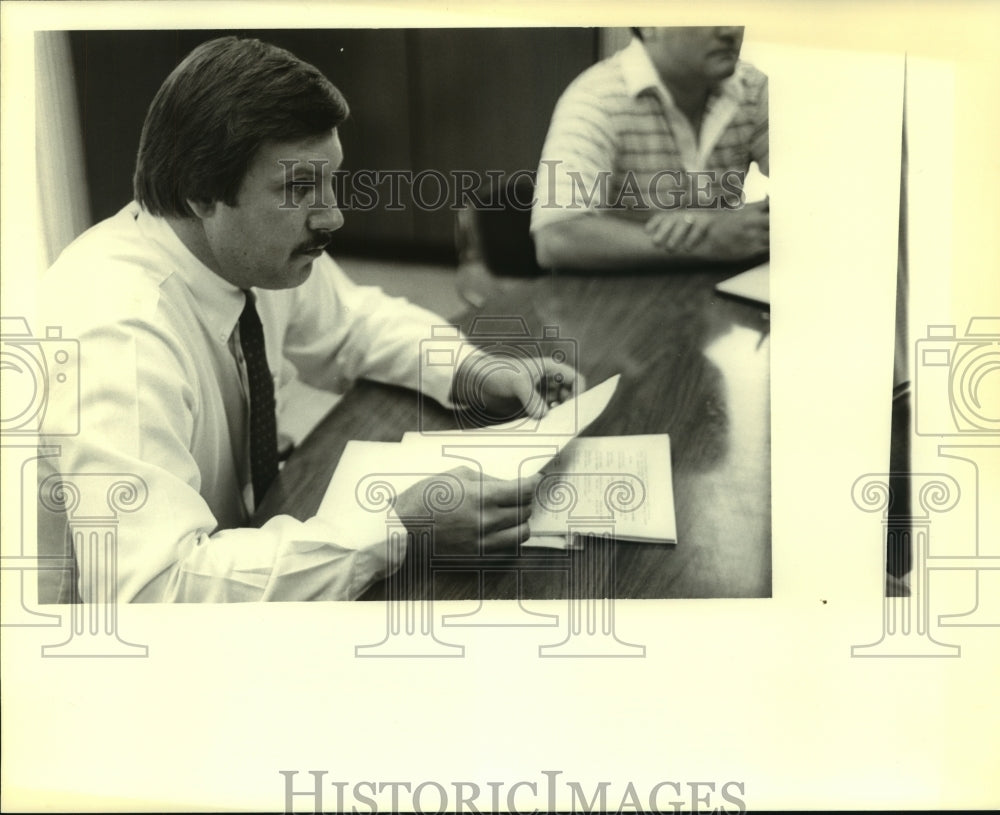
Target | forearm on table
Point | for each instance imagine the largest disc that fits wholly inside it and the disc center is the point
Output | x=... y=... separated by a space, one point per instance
x=596 y=242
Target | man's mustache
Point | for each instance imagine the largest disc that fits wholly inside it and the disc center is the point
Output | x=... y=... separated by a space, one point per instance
x=321 y=241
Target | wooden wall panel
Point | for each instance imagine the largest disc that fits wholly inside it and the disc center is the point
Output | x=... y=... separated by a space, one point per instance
x=443 y=99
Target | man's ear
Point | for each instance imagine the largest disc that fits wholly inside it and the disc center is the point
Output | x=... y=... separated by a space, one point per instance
x=201 y=209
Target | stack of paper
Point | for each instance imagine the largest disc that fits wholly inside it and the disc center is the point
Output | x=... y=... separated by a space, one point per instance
x=619 y=485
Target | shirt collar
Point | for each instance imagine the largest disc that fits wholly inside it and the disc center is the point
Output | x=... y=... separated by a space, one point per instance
x=220 y=303
x=641 y=75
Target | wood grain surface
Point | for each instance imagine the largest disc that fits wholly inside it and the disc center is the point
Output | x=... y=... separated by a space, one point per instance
x=694 y=365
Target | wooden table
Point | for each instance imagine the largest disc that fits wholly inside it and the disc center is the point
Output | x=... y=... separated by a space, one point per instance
x=693 y=364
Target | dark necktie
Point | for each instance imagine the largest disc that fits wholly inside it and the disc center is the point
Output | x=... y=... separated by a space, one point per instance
x=263 y=428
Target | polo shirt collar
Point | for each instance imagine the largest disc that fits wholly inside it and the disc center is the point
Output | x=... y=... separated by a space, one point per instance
x=220 y=303
x=641 y=75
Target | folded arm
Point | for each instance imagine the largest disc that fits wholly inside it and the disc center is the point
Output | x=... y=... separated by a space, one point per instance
x=672 y=237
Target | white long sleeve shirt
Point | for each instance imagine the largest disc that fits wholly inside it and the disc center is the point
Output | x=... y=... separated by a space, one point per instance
x=163 y=398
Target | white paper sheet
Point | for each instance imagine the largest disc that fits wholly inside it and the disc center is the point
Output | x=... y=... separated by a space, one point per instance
x=518 y=448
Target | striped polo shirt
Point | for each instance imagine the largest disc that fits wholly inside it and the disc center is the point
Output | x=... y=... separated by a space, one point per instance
x=618 y=143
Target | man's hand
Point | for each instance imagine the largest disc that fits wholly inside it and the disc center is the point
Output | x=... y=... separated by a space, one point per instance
x=462 y=505
x=504 y=386
x=712 y=234
x=679 y=232
x=738 y=233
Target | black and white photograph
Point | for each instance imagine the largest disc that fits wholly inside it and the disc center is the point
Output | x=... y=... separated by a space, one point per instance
x=555 y=232
x=413 y=410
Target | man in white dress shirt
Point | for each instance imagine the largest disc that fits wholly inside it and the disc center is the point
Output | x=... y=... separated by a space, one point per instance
x=646 y=155
x=234 y=206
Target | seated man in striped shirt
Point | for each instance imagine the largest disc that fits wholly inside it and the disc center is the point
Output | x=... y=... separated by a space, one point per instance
x=647 y=152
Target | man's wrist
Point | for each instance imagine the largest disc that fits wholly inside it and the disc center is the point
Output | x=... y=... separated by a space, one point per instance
x=464 y=380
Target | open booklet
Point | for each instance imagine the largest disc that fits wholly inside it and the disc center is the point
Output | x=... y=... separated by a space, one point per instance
x=615 y=485
x=620 y=486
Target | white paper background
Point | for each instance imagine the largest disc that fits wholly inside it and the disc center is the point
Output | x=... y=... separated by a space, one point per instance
x=760 y=692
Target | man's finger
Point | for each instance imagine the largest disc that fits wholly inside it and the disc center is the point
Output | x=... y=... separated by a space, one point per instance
x=534 y=406
x=524 y=388
x=560 y=381
x=496 y=519
x=465 y=473
x=679 y=234
x=512 y=493
x=696 y=234
x=558 y=369
x=663 y=230
x=654 y=223
x=507 y=539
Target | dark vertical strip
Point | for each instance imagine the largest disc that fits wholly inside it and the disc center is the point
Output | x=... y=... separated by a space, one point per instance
x=899 y=553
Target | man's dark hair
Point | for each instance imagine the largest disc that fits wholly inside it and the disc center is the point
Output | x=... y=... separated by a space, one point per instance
x=215 y=110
